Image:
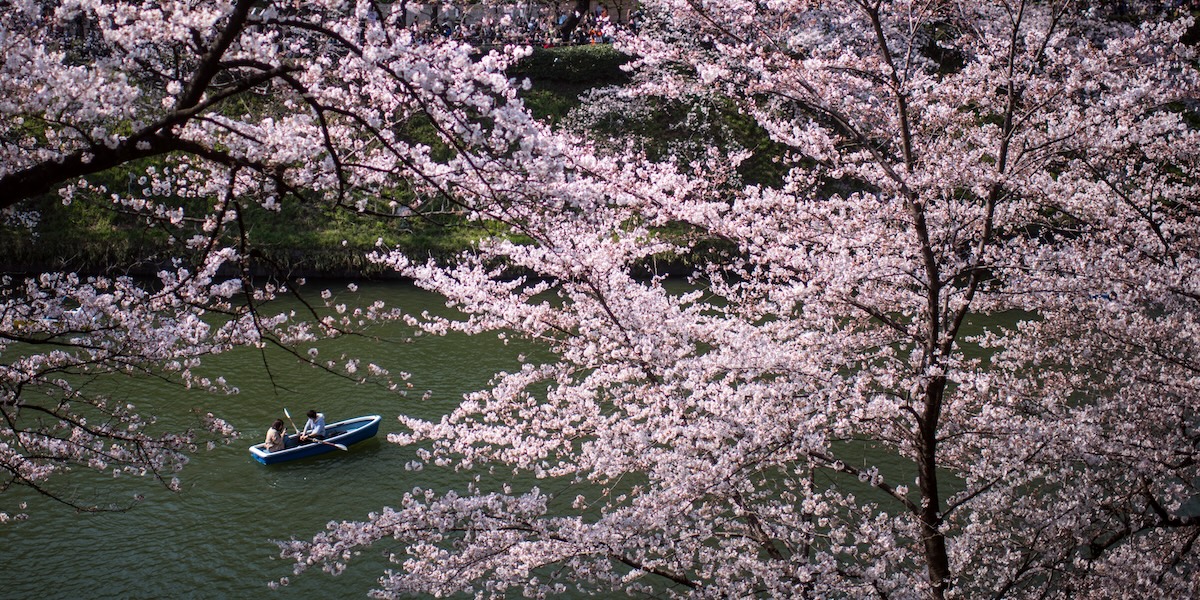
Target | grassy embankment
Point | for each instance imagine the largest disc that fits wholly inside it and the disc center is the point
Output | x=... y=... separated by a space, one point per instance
x=313 y=239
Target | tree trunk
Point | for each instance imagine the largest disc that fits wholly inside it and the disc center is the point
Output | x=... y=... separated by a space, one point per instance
x=581 y=8
x=936 y=558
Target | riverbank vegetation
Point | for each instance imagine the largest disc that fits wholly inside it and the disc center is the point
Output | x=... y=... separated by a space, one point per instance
x=866 y=182
x=92 y=234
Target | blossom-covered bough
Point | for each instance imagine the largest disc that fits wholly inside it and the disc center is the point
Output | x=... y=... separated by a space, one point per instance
x=946 y=161
x=216 y=110
x=943 y=162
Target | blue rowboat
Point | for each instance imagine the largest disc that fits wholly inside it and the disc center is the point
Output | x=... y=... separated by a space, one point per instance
x=342 y=433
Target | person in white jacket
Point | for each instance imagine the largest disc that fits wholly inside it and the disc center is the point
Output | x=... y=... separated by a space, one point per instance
x=314 y=428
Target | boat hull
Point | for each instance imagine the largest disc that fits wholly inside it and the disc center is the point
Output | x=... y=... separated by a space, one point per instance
x=350 y=431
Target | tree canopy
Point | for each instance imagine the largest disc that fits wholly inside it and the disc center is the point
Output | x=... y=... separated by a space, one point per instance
x=940 y=161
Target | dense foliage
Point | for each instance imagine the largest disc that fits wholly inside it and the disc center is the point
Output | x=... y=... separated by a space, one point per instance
x=179 y=129
x=938 y=161
x=943 y=160
x=305 y=239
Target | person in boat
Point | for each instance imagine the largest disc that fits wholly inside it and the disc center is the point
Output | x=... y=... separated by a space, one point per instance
x=314 y=429
x=275 y=437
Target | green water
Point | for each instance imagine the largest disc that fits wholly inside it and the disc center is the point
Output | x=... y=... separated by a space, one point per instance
x=213 y=539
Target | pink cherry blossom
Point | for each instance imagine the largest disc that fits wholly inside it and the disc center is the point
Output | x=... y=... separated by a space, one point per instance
x=949 y=352
x=947 y=162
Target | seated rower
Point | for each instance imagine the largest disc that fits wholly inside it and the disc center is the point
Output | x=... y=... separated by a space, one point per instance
x=314 y=429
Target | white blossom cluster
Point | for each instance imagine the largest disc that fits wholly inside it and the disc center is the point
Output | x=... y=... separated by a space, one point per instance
x=91 y=86
x=950 y=353
x=950 y=165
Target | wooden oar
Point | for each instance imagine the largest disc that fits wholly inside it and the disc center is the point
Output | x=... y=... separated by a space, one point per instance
x=334 y=444
x=289 y=418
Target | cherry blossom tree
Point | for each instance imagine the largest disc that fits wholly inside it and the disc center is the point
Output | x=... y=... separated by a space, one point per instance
x=820 y=412
x=219 y=109
x=952 y=352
